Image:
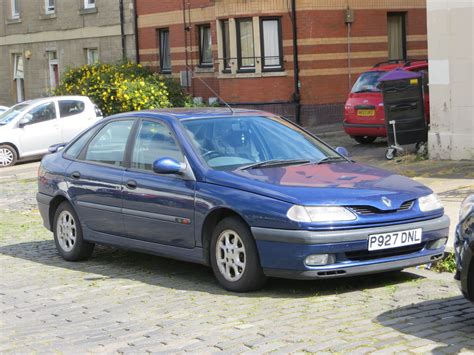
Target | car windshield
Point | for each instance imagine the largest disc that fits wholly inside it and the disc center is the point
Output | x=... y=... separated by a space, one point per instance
x=367 y=82
x=11 y=113
x=229 y=143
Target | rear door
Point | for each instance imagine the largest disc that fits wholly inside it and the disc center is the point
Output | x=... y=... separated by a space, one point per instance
x=41 y=130
x=95 y=178
x=75 y=115
x=157 y=208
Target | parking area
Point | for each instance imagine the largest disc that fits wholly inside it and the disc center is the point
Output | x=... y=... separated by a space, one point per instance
x=134 y=303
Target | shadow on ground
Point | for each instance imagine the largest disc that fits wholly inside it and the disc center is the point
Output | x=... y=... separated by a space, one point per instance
x=449 y=321
x=108 y=262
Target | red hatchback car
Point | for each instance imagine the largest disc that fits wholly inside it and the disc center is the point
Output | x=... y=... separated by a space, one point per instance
x=364 y=117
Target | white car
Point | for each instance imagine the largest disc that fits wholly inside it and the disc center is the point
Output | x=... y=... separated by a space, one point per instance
x=29 y=128
x=3 y=109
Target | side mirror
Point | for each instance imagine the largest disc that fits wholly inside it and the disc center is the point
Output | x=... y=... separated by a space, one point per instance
x=24 y=121
x=168 y=166
x=342 y=151
x=56 y=147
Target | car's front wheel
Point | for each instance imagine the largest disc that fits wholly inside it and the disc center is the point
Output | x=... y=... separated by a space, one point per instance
x=68 y=234
x=8 y=156
x=365 y=139
x=234 y=257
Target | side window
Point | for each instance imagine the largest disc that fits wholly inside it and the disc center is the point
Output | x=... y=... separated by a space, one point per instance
x=75 y=148
x=154 y=141
x=70 y=107
x=108 y=146
x=41 y=113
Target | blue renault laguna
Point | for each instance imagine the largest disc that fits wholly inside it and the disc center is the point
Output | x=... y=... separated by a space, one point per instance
x=246 y=192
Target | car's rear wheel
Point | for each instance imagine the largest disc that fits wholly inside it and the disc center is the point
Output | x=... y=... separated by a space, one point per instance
x=8 y=156
x=364 y=139
x=234 y=257
x=68 y=234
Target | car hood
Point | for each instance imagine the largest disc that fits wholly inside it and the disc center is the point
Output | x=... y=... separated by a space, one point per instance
x=326 y=184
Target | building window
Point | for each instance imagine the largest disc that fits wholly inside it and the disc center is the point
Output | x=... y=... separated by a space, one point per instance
x=205 y=46
x=271 y=44
x=89 y=4
x=15 y=7
x=49 y=7
x=92 y=56
x=164 y=45
x=19 y=77
x=225 y=45
x=245 y=45
x=396 y=36
x=53 y=66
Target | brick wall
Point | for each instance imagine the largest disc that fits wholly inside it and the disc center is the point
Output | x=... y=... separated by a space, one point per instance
x=323 y=49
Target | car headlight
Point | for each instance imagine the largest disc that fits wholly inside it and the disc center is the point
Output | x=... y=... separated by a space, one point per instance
x=429 y=203
x=466 y=207
x=319 y=214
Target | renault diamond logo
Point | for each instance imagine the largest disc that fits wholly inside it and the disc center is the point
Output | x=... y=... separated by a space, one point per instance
x=386 y=201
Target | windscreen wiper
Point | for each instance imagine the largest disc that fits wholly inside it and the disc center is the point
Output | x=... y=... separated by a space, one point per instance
x=274 y=163
x=330 y=160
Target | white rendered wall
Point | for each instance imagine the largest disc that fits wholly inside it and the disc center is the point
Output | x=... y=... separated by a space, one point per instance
x=451 y=61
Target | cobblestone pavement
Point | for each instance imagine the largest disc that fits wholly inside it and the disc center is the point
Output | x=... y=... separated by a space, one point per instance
x=133 y=303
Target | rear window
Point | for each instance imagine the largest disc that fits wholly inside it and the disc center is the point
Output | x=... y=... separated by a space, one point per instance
x=70 y=107
x=367 y=82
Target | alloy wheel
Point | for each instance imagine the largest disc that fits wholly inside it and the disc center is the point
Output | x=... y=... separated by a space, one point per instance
x=66 y=231
x=230 y=255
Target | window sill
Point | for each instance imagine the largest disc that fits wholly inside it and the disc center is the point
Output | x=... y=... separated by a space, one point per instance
x=47 y=16
x=204 y=69
x=242 y=75
x=11 y=21
x=165 y=72
x=85 y=11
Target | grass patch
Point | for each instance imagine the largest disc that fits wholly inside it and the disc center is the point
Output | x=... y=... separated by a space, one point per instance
x=447 y=264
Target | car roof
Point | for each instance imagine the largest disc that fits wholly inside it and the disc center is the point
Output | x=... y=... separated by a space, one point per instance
x=197 y=113
x=44 y=99
x=407 y=65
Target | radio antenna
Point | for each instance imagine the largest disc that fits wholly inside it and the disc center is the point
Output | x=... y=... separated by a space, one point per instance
x=211 y=90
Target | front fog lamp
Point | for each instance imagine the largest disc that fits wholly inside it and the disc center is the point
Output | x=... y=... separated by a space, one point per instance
x=429 y=203
x=319 y=259
x=319 y=214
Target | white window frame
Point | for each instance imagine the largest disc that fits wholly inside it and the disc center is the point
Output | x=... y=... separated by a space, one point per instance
x=89 y=58
x=89 y=4
x=48 y=8
x=53 y=62
x=15 y=9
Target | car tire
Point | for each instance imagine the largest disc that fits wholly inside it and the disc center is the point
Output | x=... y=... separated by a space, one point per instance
x=365 y=139
x=8 y=156
x=68 y=236
x=234 y=257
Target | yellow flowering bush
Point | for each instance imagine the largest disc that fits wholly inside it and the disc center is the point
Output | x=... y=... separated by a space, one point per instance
x=119 y=87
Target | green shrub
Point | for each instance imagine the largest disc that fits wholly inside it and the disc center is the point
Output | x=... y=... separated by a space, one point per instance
x=447 y=264
x=121 y=87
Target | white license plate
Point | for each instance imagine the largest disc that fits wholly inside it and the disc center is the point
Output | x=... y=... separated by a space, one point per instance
x=395 y=239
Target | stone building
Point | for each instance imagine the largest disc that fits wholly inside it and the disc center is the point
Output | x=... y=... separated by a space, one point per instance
x=245 y=51
x=39 y=39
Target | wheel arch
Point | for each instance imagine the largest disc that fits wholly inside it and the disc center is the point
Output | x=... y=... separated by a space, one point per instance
x=53 y=206
x=13 y=146
x=210 y=222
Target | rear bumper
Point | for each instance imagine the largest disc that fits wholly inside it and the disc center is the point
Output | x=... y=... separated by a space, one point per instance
x=282 y=252
x=43 y=207
x=365 y=129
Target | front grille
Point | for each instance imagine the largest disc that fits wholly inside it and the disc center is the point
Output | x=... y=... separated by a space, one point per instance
x=368 y=210
x=362 y=255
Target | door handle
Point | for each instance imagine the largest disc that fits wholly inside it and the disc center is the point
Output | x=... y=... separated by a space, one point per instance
x=76 y=175
x=131 y=184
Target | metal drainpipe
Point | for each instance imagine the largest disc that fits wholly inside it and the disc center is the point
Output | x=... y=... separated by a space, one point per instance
x=135 y=23
x=296 y=94
x=122 y=30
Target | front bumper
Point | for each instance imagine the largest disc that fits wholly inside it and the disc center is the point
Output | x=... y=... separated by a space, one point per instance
x=464 y=258
x=282 y=252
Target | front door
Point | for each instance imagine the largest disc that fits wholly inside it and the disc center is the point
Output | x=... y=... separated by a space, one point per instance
x=95 y=179
x=41 y=130
x=157 y=208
